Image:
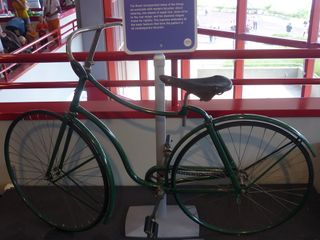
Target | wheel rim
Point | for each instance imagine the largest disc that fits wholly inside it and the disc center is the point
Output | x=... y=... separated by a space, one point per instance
x=274 y=170
x=72 y=197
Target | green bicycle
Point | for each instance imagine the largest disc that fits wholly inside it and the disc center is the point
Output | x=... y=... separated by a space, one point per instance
x=255 y=170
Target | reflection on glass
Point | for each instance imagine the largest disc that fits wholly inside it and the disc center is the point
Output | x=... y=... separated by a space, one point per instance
x=274 y=68
x=257 y=45
x=217 y=14
x=206 y=42
x=271 y=91
x=279 y=18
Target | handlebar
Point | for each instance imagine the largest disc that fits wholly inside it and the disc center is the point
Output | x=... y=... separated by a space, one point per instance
x=84 y=71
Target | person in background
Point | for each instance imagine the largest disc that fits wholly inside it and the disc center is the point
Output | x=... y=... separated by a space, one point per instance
x=289 y=27
x=42 y=28
x=21 y=10
x=41 y=4
x=23 y=41
x=52 y=9
x=2 y=35
x=69 y=3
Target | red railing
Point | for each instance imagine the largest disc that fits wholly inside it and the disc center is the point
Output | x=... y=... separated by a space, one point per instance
x=309 y=50
x=53 y=39
x=275 y=107
x=201 y=54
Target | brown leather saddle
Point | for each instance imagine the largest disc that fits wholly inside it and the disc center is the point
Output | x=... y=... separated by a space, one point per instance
x=204 y=88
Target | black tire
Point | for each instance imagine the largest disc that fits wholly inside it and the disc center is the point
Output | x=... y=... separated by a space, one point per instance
x=75 y=194
x=272 y=166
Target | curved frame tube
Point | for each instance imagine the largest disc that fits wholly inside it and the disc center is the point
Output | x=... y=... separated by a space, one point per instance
x=209 y=123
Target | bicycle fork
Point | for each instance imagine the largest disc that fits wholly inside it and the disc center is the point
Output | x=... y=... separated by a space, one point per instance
x=56 y=149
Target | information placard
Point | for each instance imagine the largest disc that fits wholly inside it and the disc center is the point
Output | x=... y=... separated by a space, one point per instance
x=159 y=26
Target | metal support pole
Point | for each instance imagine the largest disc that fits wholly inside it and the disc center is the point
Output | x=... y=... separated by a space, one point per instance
x=172 y=222
x=159 y=63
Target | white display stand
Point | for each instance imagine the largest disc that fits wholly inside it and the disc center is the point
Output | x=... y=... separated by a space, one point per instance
x=173 y=222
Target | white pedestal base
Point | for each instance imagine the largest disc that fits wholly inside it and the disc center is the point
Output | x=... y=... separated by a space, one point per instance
x=175 y=223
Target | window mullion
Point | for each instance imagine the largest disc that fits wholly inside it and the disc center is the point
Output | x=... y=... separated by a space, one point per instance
x=239 y=44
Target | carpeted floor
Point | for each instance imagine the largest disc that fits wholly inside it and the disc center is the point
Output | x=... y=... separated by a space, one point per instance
x=17 y=222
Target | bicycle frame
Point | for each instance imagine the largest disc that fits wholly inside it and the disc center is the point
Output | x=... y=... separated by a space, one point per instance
x=84 y=74
x=75 y=108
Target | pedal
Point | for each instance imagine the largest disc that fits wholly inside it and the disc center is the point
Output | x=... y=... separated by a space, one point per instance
x=151 y=227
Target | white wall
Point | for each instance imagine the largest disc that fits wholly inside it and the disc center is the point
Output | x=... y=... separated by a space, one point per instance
x=138 y=139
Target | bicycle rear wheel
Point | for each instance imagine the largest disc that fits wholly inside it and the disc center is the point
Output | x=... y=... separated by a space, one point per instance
x=72 y=196
x=273 y=168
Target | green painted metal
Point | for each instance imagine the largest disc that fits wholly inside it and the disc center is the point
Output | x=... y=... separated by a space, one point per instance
x=225 y=156
x=208 y=125
x=109 y=134
x=64 y=121
x=230 y=118
x=133 y=106
x=77 y=108
x=106 y=163
x=56 y=147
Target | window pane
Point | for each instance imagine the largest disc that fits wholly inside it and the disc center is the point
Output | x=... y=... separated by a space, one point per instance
x=211 y=42
x=315 y=92
x=217 y=14
x=273 y=68
x=257 y=45
x=318 y=37
x=279 y=18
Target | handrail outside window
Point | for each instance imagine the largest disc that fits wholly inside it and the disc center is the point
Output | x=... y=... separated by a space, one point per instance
x=54 y=40
x=306 y=50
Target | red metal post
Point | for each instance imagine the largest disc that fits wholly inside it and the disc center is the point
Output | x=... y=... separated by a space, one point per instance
x=109 y=38
x=312 y=38
x=143 y=71
x=174 y=90
x=239 y=44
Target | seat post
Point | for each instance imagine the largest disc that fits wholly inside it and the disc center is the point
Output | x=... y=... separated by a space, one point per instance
x=185 y=99
x=185 y=104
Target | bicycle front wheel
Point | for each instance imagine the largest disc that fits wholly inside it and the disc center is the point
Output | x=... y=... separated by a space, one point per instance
x=273 y=168
x=63 y=182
